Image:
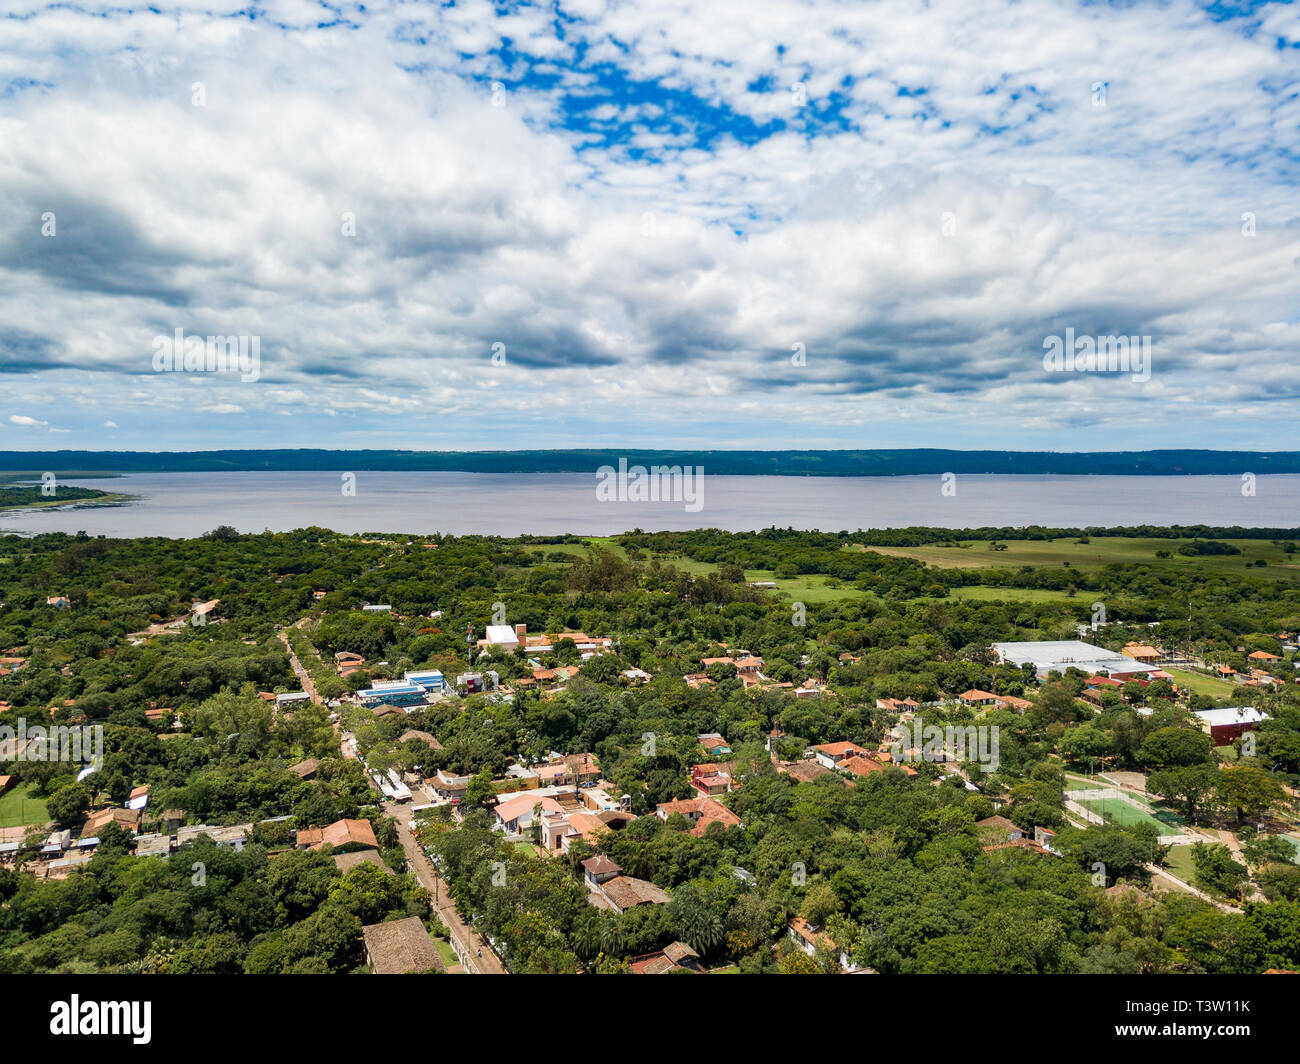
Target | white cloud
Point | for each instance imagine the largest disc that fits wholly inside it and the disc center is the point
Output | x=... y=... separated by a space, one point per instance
x=604 y=254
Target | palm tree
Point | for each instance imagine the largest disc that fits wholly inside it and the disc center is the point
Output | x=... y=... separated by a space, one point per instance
x=611 y=936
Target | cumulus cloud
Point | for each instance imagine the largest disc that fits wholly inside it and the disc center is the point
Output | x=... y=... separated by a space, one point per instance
x=790 y=224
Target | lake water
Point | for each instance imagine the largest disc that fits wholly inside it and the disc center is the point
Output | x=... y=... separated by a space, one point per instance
x=187 y=504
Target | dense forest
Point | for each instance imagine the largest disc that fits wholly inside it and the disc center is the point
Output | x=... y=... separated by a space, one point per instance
x=860 y=463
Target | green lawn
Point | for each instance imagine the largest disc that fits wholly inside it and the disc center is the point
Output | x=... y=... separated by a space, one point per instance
x=19 y=808
x=808 y=588
x=448 y=955
x=1179 y=863
x=1200 y=684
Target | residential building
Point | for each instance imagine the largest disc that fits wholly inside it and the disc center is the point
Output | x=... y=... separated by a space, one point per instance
x=399 y=947
x=701 y=812
x=342 y=835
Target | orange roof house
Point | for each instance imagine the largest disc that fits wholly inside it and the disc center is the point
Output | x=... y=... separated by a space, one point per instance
x=976 y=697
x=700 y=811
x=342 y=834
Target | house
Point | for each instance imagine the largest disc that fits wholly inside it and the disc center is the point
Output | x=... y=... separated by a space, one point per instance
x=636 y=676
x=290 y=698
x=701 y=812
x=61 y=602
x=138 y=798
x=714 y=744
x=697 y=680
x=597 y=870
x=620 y=893
x=376 y=608
x=232 y=836
x=202 y=612
x=572 y=770
x=5 y=783
x=831 y=754
x=345 y=862
x=1225 y=725
x=399 y=947
x=448 y=785
x=976 y=697
x=898 y=705
x=342 y=835
x=476 y=683
x=998 y=830
x=1263 y=657
x=126 y=819
x=305 y=770
x=347 y=663
x=803 y=771
x=516 y=814
x=809 y=937
x=423 y=736
x=560 y=831
x=712 y=779
x=1141 y=652
x=676 y=956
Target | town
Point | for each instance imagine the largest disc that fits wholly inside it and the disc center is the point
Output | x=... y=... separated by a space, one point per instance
x=675 y=752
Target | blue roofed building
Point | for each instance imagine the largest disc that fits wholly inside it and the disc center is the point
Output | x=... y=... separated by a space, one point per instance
x=430 y=680
x=396 y=693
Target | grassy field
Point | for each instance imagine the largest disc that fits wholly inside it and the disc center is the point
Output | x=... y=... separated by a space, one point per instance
x=19 y=808
x=808 y=588
x=1099 y=552
x=1200 y=684
x=974 y=554
x=982 y=593
x=1179 y=863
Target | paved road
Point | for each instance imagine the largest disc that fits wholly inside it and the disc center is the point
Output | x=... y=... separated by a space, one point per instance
x=471 y=941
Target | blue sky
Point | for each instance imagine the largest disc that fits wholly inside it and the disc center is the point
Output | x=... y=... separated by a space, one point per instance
x=794 y=224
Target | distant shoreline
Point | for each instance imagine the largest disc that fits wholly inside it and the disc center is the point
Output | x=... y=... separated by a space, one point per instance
x=880 y=462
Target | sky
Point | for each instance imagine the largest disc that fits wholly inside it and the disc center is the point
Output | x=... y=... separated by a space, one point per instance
x=712 y=224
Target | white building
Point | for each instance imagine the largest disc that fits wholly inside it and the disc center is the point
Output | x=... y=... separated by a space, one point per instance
x=1058 y=655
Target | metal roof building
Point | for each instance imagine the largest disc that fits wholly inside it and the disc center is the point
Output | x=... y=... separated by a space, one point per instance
x=1058 y=655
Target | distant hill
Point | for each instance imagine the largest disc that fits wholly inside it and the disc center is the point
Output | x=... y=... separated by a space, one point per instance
x=851 y=463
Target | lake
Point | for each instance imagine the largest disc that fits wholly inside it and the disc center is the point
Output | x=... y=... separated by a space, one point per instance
x=187 y=504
